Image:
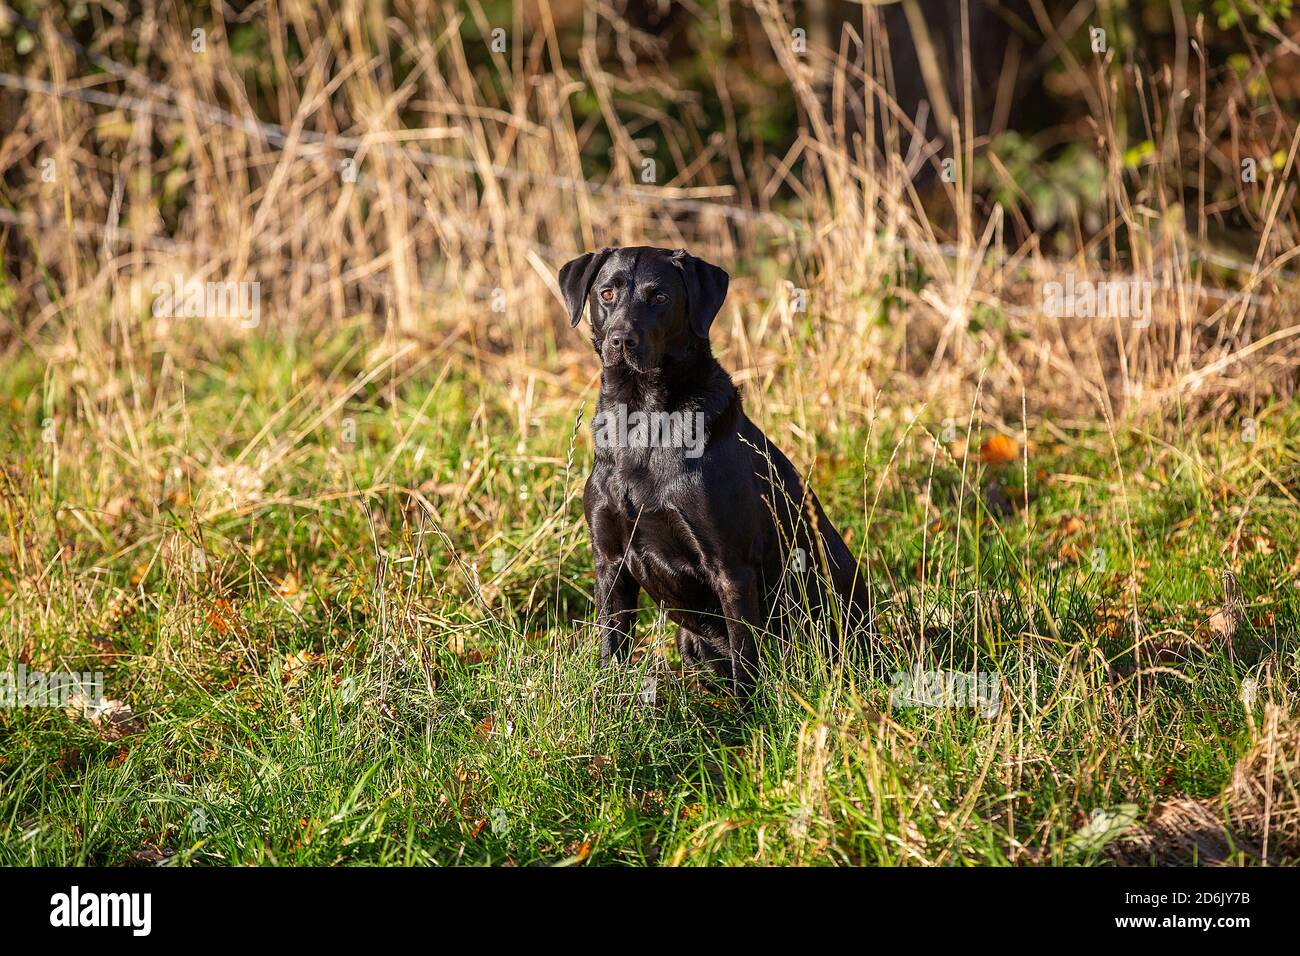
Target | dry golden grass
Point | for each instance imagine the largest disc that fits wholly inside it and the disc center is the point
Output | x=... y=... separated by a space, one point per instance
x=474 y=208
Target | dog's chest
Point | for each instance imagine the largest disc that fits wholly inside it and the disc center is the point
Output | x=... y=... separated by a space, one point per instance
x=642 y=513
x=667 y=558
x=646 y=481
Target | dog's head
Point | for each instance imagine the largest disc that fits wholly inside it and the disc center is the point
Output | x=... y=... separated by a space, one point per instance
x=646 y=304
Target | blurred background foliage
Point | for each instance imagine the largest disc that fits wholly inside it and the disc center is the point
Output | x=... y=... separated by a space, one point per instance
x=1064 y=111
x=697 y=85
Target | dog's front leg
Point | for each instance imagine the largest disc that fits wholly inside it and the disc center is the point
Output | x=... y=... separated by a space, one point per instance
x=616 y=594
x=740 y=605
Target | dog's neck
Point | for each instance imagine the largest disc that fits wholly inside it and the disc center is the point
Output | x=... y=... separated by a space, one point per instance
x=693 y=385
x=694 y=381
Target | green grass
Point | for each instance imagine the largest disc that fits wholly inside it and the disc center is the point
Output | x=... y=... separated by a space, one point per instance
x=348 y=677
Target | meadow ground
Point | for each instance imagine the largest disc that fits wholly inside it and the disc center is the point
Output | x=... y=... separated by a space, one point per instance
x=377 y=650
x=328 y=553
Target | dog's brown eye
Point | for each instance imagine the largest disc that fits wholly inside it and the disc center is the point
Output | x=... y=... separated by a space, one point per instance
x=607 y=295
x=661 y=297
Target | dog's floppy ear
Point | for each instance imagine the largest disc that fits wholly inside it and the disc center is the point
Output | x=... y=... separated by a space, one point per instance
x=706 y=287
x=575 y=281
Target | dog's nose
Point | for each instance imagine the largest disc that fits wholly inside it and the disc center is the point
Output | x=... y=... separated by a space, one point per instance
x=622 y=338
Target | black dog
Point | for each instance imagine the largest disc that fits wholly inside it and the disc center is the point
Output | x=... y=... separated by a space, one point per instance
x=688 y=499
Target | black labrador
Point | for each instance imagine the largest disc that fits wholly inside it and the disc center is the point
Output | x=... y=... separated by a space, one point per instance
x=688 y=499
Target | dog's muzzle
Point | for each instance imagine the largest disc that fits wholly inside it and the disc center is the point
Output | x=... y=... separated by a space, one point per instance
x=621 y=347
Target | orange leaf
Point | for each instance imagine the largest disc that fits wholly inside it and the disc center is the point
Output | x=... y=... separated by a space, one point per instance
x=1070 y=525
x=998 y=450
x=221 y=616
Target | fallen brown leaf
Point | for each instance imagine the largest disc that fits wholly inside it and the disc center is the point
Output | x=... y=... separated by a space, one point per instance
x=998 y=450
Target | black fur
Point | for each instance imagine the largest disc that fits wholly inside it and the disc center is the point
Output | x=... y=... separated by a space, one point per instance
x=713 y=539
